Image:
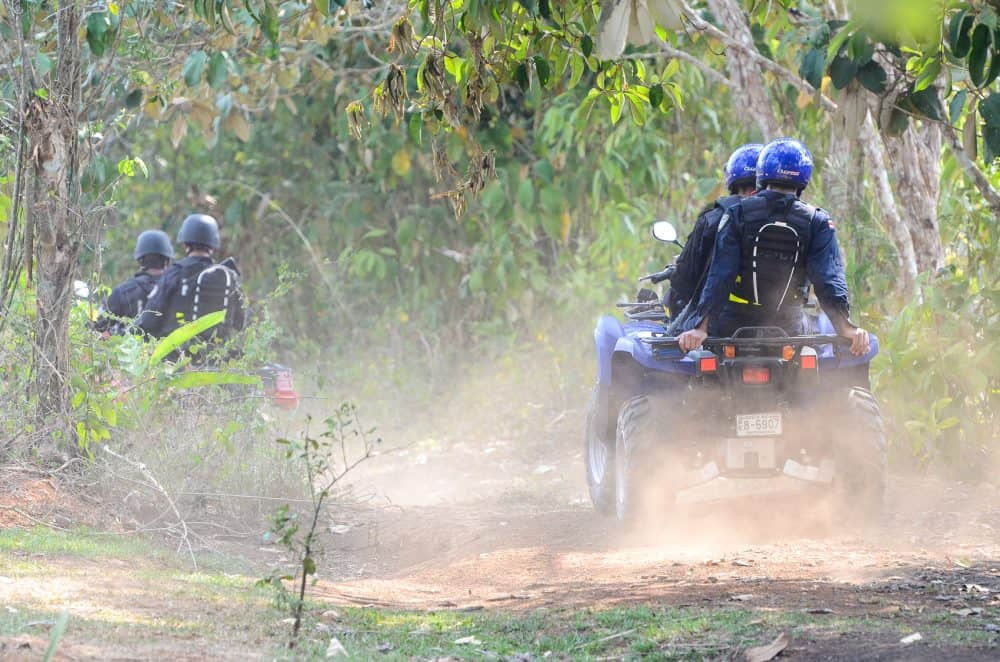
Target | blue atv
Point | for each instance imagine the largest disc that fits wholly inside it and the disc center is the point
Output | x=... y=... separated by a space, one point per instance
x=760 y=412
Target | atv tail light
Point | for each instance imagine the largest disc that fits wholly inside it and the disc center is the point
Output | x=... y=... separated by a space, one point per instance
x=729 y=351
x=707 y=364
x=788 y=352
x=808 y=359
x=756 y=375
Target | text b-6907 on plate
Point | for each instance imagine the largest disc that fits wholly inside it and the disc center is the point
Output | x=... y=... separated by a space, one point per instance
x=758 y=425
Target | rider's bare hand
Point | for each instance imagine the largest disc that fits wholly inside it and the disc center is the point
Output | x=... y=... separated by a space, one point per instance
x=860 y=341
x=691 y=339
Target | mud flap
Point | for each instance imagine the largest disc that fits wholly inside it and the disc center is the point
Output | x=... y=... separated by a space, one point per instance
x=706 y=484
x=821 y=474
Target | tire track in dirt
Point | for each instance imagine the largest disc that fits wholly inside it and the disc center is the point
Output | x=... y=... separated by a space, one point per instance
x=518 y=553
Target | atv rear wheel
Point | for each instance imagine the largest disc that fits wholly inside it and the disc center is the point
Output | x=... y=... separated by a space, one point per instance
x=630 y=471
x=861 y=460
x=599 y=453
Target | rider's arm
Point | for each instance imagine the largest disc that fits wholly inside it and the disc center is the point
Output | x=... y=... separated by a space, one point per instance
x=121 y=301
x=826 y=271
x=690 y=263
x=115 y=306
x=722 y=273
x=150 y=320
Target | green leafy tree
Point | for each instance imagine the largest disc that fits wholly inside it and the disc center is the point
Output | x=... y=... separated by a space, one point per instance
x=74 y=78
x=883 y=75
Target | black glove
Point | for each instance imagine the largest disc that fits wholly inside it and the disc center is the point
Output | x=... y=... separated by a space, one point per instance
x=647 y=295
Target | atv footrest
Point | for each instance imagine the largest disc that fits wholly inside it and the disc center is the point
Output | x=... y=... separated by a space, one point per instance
x=821 y=474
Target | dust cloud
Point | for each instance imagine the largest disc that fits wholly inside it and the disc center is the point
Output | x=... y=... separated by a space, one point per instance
x=479 y=498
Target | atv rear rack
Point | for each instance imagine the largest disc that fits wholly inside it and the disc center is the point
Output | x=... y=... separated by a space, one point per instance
x=664 y=341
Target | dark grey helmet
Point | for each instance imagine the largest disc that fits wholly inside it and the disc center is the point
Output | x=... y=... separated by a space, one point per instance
x=153 y=242
x=199 y=229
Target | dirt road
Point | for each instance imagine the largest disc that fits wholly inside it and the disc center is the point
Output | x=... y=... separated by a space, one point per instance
x=502 y=525
x=492 y=531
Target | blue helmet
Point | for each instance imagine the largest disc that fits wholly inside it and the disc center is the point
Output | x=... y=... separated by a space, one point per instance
x=741 y=168
x=784 y=161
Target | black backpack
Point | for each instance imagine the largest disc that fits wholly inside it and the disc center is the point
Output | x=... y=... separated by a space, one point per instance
x=212 y=289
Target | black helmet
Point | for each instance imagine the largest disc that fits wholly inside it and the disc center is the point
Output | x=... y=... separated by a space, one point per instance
x=153 y=242
x=199 y=229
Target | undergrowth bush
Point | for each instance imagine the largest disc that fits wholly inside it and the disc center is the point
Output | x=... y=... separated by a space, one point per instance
x=151 y=432
x=939 y=377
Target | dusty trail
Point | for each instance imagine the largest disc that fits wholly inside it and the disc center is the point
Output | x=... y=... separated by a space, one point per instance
x=527 y=554
x=517 y=532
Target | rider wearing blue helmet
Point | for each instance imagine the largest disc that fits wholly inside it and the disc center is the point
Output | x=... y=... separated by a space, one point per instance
x=768 y=246
x=692 y=263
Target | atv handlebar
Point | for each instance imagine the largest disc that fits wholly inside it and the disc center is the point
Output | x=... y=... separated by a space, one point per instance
x=660 y=276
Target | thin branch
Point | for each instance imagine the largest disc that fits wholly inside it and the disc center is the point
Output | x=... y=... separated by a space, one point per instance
x=671 y=52
x=779 y=70
x=874 y=150
x=971 y=169
x=148 y=475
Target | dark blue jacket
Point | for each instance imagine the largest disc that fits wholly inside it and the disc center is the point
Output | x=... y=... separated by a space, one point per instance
x=152 y=320
x=692 y=263
x=125 y=302
x=824 y=270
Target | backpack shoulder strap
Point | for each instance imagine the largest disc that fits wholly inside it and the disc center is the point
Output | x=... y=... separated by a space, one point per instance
x=754 y=205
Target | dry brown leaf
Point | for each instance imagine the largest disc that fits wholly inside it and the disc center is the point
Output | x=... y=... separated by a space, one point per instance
x=178 y=131
x=641 y=27
x=768 y=652
x=667 y=13
x=238 y=125
x=613 y=28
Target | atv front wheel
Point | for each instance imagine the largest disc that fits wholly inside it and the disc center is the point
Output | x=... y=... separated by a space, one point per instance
x=861 y=460
x=599 y=454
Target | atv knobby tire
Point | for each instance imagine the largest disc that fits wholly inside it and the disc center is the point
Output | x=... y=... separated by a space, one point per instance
x=599 y=456
x=634 y=423
x=861 y=460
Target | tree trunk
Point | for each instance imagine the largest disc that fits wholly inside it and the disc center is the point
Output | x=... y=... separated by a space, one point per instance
x=53 y=209
x=844 y=181
x=915 y=163
x=750 y=89
x=871 y=142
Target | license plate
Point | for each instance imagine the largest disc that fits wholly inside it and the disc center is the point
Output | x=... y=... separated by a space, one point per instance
x=758 y=425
